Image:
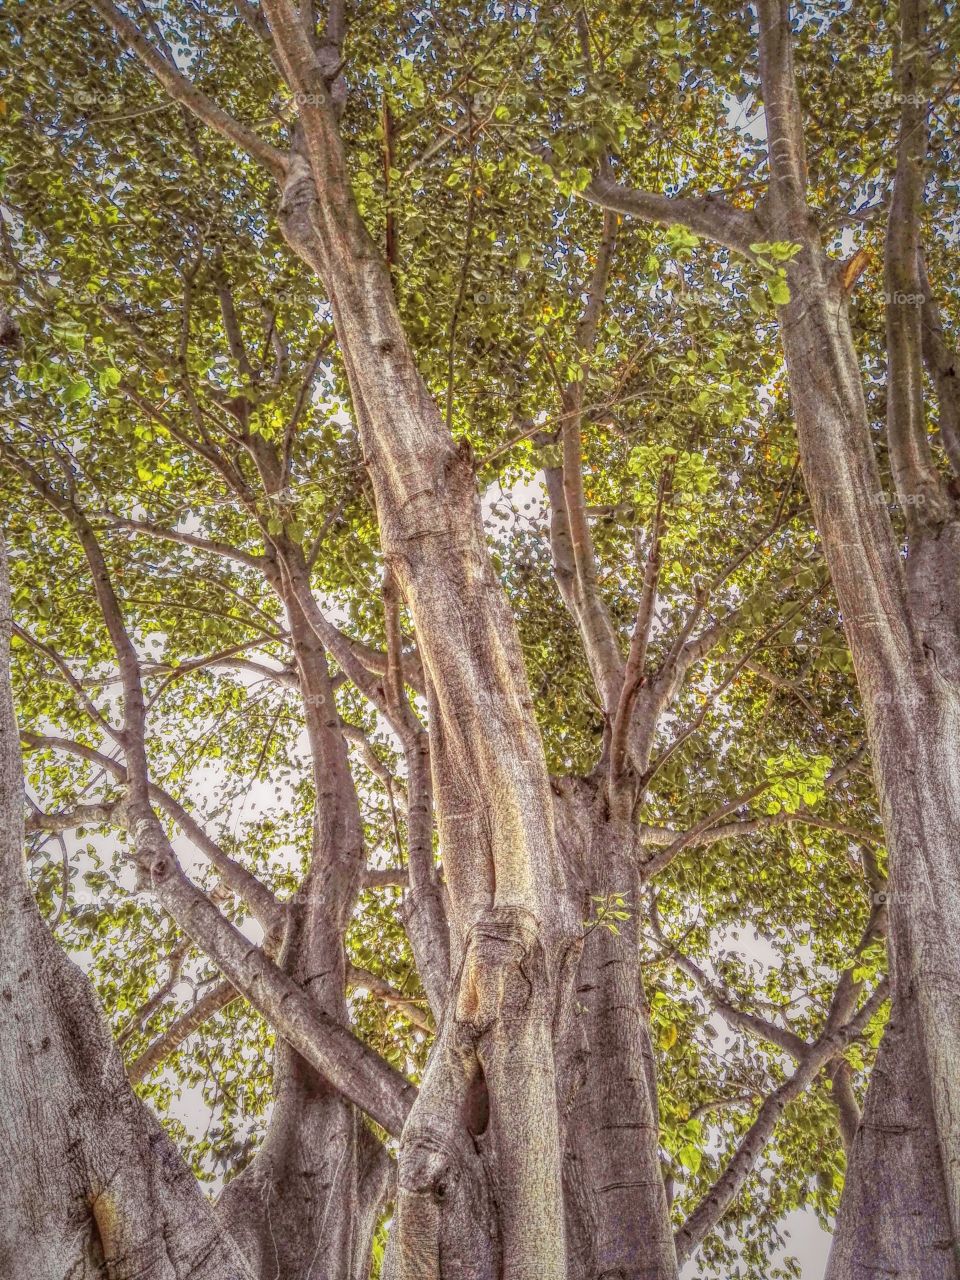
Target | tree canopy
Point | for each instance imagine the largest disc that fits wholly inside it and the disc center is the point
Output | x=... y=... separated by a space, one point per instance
x=175 y=394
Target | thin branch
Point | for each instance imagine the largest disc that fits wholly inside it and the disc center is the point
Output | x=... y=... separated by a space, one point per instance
x=221 y=549
x=213 y=1001
x=382 y=989
x=266 y=909
x=656 y=864
x=141 y=1016
x=571 y=540
x=70 y=679
x=635 y=670
x=698 y=720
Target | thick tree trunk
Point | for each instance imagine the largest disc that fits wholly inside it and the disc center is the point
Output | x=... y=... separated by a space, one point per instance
x=617 y=1215
x=90 y=1185
x=903 y=638
x=490 y=1090
x=893 y=1217
x=484 y=1188
x=910 y=1136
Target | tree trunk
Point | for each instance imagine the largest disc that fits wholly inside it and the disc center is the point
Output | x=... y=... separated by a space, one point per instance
x=617 y=1215
x=490 y=1089
x=303 y=1207
x=893 y=1218
x=903 y=642
x=91 y=1186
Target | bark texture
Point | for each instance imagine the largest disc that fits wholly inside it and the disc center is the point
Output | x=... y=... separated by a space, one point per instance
x=901 y=624
x=617 y=1215
x=91 y=1187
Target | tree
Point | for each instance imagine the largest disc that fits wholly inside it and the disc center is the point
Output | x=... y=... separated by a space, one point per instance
x=902 y=1205
x=235 y=456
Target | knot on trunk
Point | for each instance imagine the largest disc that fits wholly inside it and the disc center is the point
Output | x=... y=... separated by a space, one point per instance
x=504 y=968
x=152 y=853
x=299 y=190
x=426 y=1167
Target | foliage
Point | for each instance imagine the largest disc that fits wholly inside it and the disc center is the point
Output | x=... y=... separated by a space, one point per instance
x=471 y=132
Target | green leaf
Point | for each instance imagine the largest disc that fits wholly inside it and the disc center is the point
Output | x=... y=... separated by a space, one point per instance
x=77 y=390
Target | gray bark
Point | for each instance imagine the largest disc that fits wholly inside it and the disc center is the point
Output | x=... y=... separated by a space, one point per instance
x=617 y=1215
x=299 y=1207
x=91 y=1187
x=901 y=625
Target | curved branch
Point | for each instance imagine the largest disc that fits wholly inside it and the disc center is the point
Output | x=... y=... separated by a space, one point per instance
x=709 y=216
x=718 y=1199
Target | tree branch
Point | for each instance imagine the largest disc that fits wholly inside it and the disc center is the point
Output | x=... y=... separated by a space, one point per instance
x=571 y=540
x=709 y=216
x=222 y=549
x=635 y=670
x=265 y=908
x=218 y=997
x=718 y=1199
x=184 y=91
x=918 y=483
x=786 y=149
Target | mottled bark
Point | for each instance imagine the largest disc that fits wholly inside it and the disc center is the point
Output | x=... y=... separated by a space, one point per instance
x=296 y=1209
x=492 y=1075
x=894 y=1219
